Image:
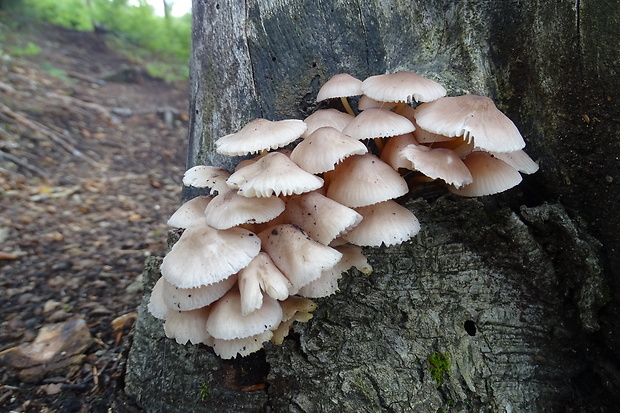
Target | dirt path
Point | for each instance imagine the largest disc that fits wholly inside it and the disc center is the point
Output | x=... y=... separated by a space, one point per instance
x=90 y=170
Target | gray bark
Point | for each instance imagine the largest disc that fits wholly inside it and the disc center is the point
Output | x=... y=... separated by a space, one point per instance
x=522 y=269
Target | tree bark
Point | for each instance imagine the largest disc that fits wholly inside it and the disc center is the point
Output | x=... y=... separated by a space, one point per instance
x=513 y=290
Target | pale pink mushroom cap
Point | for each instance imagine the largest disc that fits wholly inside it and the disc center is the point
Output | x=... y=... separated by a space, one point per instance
x=228 y=349
x=402 y=87
x=204 y=255
x=226 y=321
x=273 y=174
x=438 y=163
x=473 y=117
x=203 y=176
x=259 y=135
x=261 y=274
x=185 y=299
x=327 y=283
x=230 y=209
x=327 y=117
x=322 y=218
x=490 y=175
x=519 y=160
x=293 y=309
x=299 y=257
x=392 y=152
x=362 y=180
x=324 y=148
x=376 y=123
x=385 y=223
x=367 y=102
x=186 y=326
x=190 y=213
x=156 y=305
x=340 y=85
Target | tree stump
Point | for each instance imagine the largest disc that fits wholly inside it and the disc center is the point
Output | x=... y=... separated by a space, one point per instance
x=505 y=303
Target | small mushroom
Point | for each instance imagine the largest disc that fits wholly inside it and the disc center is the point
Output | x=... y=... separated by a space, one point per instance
x=362 y=180
x=340 y=86
x=324 y=148
x=402 y=87
x=226 y=321
x=186 y=299
x=203 y=176
x=327 y=117
x=229 y=209
x=190 y=213
x=204 y=255
x=299 y=257
x=384 y=223
x=186 y=326
x=376 y=123
x=473 y=117
x=260 y=135
x=490 y=175
x=273 y=174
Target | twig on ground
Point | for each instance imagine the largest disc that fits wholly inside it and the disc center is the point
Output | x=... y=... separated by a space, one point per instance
x=23 y=164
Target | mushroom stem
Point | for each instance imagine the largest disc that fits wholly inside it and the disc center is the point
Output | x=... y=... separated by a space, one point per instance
x=346 y=105
x=379 y=143
x=398 y=109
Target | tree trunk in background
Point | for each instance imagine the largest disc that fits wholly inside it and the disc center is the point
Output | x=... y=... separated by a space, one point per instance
x=514 y=289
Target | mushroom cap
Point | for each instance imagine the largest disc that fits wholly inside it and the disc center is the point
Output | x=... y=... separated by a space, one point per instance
x=324 y=148
x=203 y=176
x=204 y=255
x=261 y=273
x=321 y=218
x=273 y=174
x=299 y=257
x=327 y=117
x=490 y=175
x=352 y=256
x=156 y=305
x=327 y=283
x=190 y=213
x=384 y=223
x=259 y=135
x=186 y=299
x=376 y=123
x=226 y=321
x=230 y=209
x=438 y=163
x=362 y=180
x=186 y=326
x=367 y=102
x=392 y=151
x=340 y=85
x=402 y=87
x=293 y=309
x=228 y=349
x=473 y=117
x=518 y=160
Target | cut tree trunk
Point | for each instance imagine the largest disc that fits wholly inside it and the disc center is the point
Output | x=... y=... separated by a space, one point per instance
x=507 y=303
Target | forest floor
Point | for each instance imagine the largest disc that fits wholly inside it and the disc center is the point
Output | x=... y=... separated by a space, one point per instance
x=92 y=152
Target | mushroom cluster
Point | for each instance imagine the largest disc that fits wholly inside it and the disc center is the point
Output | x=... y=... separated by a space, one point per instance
x=286 y=225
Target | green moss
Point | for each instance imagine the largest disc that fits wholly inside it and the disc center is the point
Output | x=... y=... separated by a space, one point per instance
x=439 y=366
x=204 y=391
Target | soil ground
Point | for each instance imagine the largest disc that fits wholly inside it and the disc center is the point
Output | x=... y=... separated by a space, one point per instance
x=90 y=170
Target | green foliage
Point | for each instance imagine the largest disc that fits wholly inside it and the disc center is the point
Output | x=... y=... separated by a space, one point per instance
x=439 y=366
x=54 y=71
x=68 y=13
x=168 y=38
x=29 y=49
